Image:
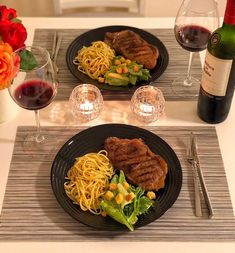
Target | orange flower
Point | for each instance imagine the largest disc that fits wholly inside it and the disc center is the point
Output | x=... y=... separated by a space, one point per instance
x=9 y=65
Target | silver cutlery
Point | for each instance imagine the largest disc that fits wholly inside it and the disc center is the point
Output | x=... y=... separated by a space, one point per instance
x=190 y=158
x=200 y=174
x=54 y=44
x=57 y=39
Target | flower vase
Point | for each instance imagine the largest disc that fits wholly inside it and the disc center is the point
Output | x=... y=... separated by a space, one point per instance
x=8 y=108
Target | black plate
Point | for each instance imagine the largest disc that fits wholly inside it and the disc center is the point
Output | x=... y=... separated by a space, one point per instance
x=98 y=34
x=92 y=140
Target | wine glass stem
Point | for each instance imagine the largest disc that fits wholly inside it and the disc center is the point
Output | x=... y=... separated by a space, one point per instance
x=188 y=81
x=39 y=137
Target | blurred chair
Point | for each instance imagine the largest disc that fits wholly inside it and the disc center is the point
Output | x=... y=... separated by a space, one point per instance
x=63 y=5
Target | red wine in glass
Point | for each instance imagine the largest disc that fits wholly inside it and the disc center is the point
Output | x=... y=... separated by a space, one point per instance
x=193 y=38
x=194 y=23
x=34 y=87
x=34 y=94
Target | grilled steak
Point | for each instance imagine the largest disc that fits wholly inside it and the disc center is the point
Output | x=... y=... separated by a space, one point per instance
x=140 y=165
x=130 y=45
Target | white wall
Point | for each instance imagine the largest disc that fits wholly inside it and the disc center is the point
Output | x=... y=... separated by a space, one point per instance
x=152 y=8
x=169 y=8
x=30 y=7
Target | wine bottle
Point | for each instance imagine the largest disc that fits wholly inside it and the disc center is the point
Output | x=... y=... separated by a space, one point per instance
x=218 y=74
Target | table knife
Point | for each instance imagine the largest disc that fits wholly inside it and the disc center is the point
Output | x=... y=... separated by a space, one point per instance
x=201 y=177
x=57 y=39
x=196 y=183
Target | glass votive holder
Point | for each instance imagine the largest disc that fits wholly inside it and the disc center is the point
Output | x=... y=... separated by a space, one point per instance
x=148 y=104
x=86 y=102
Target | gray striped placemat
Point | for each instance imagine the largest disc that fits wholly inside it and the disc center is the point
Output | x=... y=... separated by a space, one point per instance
x=31 y=212
x=178 y=64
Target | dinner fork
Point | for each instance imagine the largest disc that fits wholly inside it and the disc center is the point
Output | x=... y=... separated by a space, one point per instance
x=198 y=207
x=57 y=39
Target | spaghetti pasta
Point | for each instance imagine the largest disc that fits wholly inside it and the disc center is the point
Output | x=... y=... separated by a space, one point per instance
x=87 y=180
x=94 y=60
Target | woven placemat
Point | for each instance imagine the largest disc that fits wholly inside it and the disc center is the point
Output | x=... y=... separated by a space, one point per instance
x=178 y=64
x=31 y=212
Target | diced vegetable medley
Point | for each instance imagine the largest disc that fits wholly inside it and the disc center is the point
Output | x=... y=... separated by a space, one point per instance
x=124 y=71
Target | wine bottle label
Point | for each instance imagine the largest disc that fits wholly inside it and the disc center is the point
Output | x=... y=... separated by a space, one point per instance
x=215 y=75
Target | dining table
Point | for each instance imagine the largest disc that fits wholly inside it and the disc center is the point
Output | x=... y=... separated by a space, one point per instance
x=180 y=114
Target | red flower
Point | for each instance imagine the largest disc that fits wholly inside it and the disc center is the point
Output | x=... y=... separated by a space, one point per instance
x=14 y=34
x=7 y=14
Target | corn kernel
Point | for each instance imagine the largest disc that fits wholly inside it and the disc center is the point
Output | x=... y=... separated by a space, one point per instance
x=103 y=213
x=122 y=60
x=126 y=185
x=119 y=198
x=136 y=68
x=117 y=62
x=112 y=186
x=151 y=195
x=128 y=62
x=101 y=79
x=109 y=195
x=130 y=196
x=124 y=70
x=119 y=70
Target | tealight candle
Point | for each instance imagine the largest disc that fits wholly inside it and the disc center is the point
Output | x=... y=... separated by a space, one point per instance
x=147 y=103
x=87 y=107
x=86 y=102
x=146 y=109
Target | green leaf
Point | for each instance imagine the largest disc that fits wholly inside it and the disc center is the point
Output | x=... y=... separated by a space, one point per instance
x=115 y=213
x=27 y=60
x=141 y=205
x=144 y=205
x=16 y=20
x=128 y=211
x=122 y=178
x=114 y=179
x=133 y=79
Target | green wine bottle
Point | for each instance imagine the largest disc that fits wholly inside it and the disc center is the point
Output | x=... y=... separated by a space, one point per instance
x=218 y=75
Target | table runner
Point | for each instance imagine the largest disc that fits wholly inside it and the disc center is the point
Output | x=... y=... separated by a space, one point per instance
x=31 y=212
x=178 y=64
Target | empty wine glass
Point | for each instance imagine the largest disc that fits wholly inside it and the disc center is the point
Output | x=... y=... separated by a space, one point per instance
x=194 y=23
x=35 y=85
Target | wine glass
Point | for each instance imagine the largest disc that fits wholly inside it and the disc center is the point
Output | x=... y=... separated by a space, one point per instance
x=194 y=23
x=35 y=85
